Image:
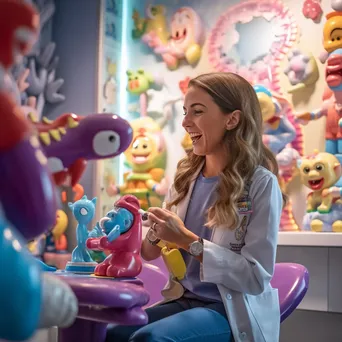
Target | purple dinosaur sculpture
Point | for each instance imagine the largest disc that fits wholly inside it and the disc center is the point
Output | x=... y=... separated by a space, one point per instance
x=71 y=140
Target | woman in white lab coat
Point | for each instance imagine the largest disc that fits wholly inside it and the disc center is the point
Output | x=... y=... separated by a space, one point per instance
x=223 y=212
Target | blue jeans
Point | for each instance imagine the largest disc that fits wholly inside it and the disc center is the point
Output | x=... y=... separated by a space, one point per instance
x=187 y=320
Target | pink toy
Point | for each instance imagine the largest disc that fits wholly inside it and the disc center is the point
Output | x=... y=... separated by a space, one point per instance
x=121 y=240
x=312 y=10
x=265 y=71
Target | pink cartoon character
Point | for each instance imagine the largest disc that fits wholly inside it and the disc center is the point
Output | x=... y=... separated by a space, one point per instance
x=122 y=230
x=186 y=39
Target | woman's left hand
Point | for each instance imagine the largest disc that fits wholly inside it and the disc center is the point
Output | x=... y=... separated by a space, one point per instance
x=169 y=227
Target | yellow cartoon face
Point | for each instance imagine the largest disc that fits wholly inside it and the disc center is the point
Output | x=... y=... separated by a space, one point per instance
x=61 y=223
x=332 y=32
x=268 y=108
x=320 y=171
x=186 y=142
x=142 y=149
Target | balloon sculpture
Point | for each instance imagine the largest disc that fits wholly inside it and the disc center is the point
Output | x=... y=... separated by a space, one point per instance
x=29 y=298
x=185 y=40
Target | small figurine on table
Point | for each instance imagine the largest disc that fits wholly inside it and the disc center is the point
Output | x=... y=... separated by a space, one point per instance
x=123 y=228
x=84 y=211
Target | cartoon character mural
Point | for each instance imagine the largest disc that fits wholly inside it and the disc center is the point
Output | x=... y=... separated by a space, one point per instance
x=139 y=83
x=155 y=22
x=320 y=173
x=185 y=39
x=302 y=70
x=123 y=228
x=147 y=157
x=284 y=138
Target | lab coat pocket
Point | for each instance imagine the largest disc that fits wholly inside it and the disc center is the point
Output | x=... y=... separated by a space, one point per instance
x=266 y=311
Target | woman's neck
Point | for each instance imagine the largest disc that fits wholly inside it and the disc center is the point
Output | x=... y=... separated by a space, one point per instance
x=214 y=164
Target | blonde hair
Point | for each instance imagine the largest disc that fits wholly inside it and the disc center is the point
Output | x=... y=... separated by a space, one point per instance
x=246 y=150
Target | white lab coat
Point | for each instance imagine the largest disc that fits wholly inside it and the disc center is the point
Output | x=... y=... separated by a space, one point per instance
x=243 y=276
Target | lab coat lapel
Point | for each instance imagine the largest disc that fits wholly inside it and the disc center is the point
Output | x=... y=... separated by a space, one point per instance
x=182 y=207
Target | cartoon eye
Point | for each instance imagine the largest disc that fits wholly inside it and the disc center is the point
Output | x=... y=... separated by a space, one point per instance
x=306 y=169
x=319 y=167
x=83 y=211
x=136 y=144
x=106 y=143
x=144 y=146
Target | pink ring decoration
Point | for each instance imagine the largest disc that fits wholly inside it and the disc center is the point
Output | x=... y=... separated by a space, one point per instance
x=264 y=71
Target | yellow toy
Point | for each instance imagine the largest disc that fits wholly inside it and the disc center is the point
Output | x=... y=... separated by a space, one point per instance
x=332 y=32
x=56 y=241
x=173 y=260
x=318 y=172
x=147 y=158
x=155 y=21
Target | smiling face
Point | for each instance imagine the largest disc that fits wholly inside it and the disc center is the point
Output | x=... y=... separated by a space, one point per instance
x=183 y=29
x=332 y=32
x=204 y=121
x=142 y=149
x=320 y=172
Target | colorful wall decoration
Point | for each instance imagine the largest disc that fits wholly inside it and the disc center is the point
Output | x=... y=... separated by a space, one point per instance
x=271 y=43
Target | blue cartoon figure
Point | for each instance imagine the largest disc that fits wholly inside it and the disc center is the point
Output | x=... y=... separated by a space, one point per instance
x=84 y=211
x=122 y=239
x=116 y=222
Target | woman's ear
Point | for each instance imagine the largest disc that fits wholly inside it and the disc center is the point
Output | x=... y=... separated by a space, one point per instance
x=233 y=120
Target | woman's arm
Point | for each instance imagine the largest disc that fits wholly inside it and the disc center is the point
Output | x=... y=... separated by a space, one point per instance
x=252 y=270
x=148 y=251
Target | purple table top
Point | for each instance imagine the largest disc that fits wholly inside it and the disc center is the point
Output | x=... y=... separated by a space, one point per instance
x=109 y=300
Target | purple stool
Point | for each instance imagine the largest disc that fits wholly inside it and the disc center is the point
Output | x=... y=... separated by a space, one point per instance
x=102 y=301
x=292 y=282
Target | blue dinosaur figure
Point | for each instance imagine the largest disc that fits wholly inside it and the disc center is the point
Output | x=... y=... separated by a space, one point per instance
x=116 y=222
x=84 y=211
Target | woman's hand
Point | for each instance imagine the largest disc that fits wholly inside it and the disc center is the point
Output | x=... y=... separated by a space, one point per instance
x=170 y=228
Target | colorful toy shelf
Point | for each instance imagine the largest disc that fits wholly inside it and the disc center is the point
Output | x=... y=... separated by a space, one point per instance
x=310 y=239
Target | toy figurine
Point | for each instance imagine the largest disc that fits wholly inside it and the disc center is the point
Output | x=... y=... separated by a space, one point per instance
x=283 y=136
x=56 y=241
x=84 y=211
x=29 y=298
x=139 y=83
x=320 y=172
x=147 y=157
x=70 y=141
x=155 y=22
x=187 y=38
x=123 y=229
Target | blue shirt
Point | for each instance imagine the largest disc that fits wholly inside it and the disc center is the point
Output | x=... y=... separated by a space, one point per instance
x=202 y=198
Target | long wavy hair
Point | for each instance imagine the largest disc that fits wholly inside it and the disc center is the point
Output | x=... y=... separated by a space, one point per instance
x=246 y=149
